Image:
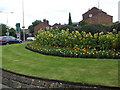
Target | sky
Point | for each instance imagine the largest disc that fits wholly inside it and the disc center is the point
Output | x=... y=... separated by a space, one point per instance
x=56 y=11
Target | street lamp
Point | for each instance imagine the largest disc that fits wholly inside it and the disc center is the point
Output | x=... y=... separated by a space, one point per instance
x=7 y=20
x=23 y=20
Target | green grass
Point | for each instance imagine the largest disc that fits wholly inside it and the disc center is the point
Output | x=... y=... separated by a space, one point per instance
x=92 y=71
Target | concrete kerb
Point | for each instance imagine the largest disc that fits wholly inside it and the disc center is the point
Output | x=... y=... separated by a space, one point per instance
x=17 y=80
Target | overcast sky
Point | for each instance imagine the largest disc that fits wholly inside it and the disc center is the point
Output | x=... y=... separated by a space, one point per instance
x=56 y=11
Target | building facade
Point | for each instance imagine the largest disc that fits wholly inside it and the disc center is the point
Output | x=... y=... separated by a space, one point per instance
x=42 y=25
x=96 y=15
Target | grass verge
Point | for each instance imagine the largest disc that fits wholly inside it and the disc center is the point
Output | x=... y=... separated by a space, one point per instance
x=85 y=70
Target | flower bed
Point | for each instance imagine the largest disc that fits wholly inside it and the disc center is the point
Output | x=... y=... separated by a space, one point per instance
x=76 y=52
x=75 y=39
x=76 y=44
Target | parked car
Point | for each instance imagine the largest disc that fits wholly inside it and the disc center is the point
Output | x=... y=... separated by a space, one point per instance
x=30 y=38
x=9 y=40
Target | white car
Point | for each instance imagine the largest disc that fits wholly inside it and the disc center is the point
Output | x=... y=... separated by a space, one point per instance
x=30 y=38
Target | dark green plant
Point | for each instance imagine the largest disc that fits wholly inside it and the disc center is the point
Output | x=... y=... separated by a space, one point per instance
x=115 y=26
x=94 y=28
x=31 y=27
x=12 y=32
x=3 y=29
x=83 y=23
x=70 y=19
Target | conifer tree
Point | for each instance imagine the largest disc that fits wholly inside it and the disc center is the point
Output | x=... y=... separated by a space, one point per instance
x=69 y=20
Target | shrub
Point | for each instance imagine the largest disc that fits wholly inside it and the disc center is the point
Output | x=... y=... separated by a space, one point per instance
x=115 y=26
x=94 y=28
x=75 y=39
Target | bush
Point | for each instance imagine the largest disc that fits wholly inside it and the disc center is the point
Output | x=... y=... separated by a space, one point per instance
x=70 y=27
x=116 y=27
x=94 y=28
x=75 y=39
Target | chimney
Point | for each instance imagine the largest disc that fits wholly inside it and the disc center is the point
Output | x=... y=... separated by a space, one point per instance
x=46 y=21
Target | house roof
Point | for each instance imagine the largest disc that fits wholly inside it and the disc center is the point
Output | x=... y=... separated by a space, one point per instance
x=96 y=10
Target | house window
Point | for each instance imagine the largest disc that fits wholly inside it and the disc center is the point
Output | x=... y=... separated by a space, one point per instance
x=90 y=15
x=47 y=28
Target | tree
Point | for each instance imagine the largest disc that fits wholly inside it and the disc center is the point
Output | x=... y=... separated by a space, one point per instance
x=3 y=29
x=69 y=20
x=36 y=22
x=31 y=27
x=12 y=32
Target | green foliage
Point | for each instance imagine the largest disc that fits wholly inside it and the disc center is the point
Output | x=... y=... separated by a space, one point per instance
x=36 y=22
x=3 y=30
x=70 y=19
x=69 y=52
x=116 y=27
x=70 y=27
x=94 y=28
x=83 y=23
x=75 y=39
x=31 y=27
x=12 y=32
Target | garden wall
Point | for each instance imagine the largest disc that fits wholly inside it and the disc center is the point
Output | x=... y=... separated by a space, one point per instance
x=16 y=80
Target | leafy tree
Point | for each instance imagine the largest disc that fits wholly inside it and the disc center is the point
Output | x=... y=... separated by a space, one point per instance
x=31 y=27
x=70 y=19
x=3 y=29
x=12 y=32
x=36 y=22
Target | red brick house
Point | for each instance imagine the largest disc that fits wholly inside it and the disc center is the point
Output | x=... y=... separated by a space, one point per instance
x=42 y=25
x=96 y=15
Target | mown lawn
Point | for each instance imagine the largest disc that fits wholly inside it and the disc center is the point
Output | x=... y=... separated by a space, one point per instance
x=92 y=71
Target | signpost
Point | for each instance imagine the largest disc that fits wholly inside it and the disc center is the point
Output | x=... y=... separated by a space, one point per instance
x=18 y=30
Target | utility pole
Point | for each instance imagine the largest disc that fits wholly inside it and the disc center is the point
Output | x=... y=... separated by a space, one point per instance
x=98 y=11
x=23 y=20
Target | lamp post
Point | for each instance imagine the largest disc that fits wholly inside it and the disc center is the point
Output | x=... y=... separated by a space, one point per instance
x=6 y=20
x=119 y=11
x=23 y=20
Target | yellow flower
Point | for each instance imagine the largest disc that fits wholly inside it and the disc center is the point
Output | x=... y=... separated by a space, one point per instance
x=75 y=36
x=73 y=32
x=68 y=37
x=87 y=35
x=76 y=32
x=80 y=37
x=63 y=31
